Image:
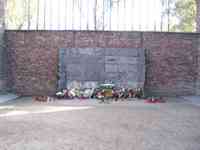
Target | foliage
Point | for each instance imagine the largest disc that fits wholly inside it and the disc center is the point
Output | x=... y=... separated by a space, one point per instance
x=178 y=14
x=19 y=12
x=185 y=13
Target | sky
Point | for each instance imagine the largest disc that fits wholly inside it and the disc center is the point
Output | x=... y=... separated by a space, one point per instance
x=128 y=15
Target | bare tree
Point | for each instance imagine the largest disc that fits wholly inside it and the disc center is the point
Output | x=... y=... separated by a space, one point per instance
x=87 y=16
x=58 y=14
x=155 y=4
x=118 y=14
x=103 y=15
x=133 y=4
x=38 y=11
x=50 y=19
x=28 y=13
x=168 y=14
x=16 y=19
x=140 y=26
x=95 y=14
x=66 y=14
x=124 y=14
x=44 y=25
x=110 y=13
x=73 y=15
x=162 y=14
x=167 y=11
x=80 y=9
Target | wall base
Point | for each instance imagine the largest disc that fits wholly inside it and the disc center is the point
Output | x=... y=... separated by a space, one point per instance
x=2 y=86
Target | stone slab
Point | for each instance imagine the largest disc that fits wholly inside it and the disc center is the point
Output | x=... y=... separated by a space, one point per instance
x=122 y=66
x=121 y=52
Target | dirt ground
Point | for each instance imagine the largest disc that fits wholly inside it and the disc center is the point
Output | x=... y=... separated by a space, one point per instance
x=88 y=125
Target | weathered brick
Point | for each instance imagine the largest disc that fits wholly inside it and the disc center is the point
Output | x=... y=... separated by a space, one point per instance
x=171 y=58
x=171 y=67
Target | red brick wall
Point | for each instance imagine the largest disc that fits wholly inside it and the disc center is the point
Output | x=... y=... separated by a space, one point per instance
x=33 y=58
x=171 y=63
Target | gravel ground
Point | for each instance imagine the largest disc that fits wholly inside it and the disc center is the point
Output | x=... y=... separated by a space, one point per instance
x=87 y=125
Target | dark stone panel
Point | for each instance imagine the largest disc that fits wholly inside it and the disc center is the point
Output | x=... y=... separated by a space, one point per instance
x=111 y=68
x=121 y=52
x=94 y=72
x=85 y=64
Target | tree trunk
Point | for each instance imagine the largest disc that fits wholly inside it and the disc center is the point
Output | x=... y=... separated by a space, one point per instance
x=44 y=27
x=95 y=15
x=37 y=22
x=198 y=16
x=29 y=17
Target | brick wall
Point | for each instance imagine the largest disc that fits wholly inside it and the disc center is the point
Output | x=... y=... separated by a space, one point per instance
x=171 y=58
x=198 y=54
x=171 y=63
